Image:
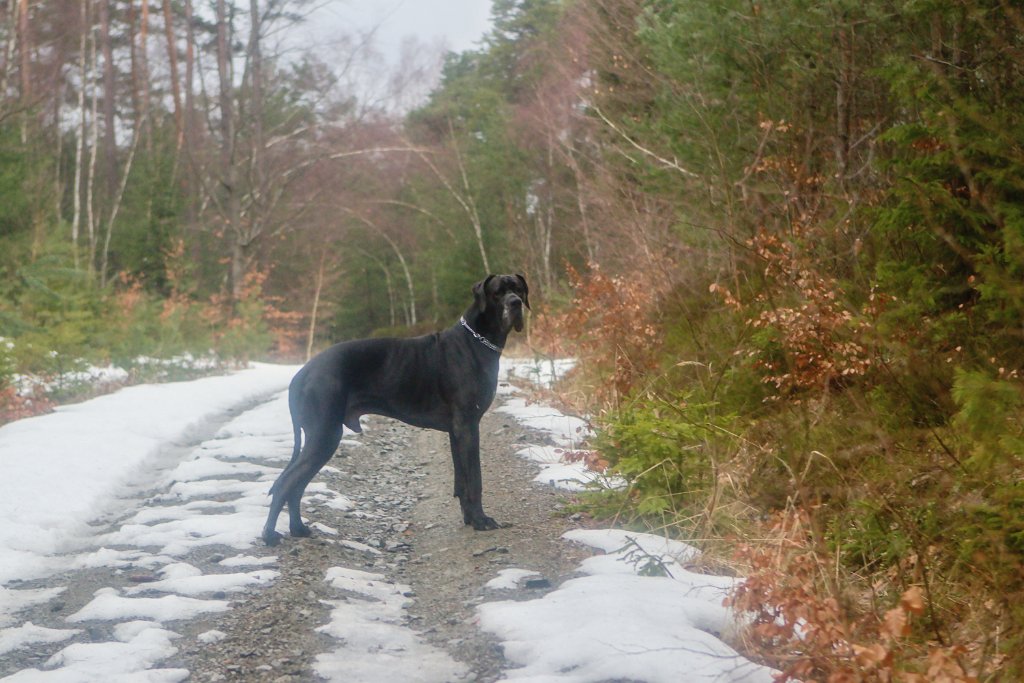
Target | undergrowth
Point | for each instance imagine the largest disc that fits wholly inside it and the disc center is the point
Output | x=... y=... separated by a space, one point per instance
x=54 y=323
x=873 y=500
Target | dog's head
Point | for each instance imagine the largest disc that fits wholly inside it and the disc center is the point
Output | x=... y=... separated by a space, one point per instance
x=506 y=295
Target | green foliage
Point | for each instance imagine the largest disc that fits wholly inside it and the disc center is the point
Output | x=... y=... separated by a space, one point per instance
x=52 y=313
x=150 y=217
x=15 y=168
x=990 y=420
x=247 y=334
x=950 y=231
x=846 y=177
x=7 y=362
x=991 y=417
x=667 y=448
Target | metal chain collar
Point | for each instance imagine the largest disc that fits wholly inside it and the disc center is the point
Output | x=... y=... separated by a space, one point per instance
x=479 y=337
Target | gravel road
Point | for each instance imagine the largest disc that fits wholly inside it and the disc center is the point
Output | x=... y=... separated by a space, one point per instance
x=403 y=524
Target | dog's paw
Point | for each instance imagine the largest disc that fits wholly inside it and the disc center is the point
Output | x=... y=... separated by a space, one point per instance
x=271 y=538
x=485 y=523
x=301 y=531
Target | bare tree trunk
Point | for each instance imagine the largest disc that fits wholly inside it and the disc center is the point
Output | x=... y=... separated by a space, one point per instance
x=25 y=52
x=24 y=39
x=76 y=218
x=172 y=61
x=316 y=304
x=190 y=41
x=144 y=66
x=469 y=203
x=581 y=205
x=192 y=186
x=408 y=280
x=10 y=32
x=58 y=168
x=90 y=214
x=109 y=95
x=389 y=285
x=401 y=261
x=392 y=319
x=116 y=206
x=240 y=261
x=464 y=197
x=133 y=59
x=229 y=172
x=548 y=223
x=247 y=231
x=256 y=105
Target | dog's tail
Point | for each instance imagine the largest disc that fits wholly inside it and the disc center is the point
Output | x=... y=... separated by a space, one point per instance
x=293 y=409
x=297 y=436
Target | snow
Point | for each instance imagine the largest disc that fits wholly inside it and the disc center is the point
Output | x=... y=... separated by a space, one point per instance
x=86 y=374
x=67 y=468
x=509 y=579
x=109 y=604
x=248 y=561
x=211 y=636
x=616 y=623
x=93 y=462
x=557 y=466
x=565 y=430
x=139 y=645
x=208 y=583
x=71 y=497
x=374 y=645
x=612 y=626
x=28 y=633
x=543 y=372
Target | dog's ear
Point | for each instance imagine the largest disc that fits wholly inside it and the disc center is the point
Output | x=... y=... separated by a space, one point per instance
x=480 y=293
x=526 y=290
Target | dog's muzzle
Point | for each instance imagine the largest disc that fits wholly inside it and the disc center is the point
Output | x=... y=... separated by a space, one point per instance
x=512 y=316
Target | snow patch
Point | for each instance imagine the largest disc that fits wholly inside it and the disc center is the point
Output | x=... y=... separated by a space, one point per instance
x=508 y=579
x=616 y=623
x=30 y=634
x=374 y=644
x=109 y=605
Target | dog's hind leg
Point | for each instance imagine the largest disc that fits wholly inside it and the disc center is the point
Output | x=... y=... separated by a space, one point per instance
x=290 y=485
x=270 y=535
x=320 y=450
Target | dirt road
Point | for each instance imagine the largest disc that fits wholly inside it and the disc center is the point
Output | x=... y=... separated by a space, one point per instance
x=400 y=480
x=402 y=525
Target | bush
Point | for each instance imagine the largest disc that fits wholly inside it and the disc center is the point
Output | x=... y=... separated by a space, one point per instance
x=671 y=451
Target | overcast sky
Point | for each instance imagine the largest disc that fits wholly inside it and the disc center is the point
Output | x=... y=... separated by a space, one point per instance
x=425 y=28
x=458 y=23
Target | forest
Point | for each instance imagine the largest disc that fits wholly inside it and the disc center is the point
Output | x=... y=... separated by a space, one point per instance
x=786 y=241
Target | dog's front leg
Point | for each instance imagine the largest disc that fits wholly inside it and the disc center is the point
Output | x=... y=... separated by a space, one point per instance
x=465 y=441
x=460 y=473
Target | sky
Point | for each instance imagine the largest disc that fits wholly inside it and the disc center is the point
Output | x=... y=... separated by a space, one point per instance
x=389 y=52
x=125 y=453
x=458 y=23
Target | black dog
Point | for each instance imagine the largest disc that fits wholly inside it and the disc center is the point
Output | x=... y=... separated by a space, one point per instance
x=443 y=381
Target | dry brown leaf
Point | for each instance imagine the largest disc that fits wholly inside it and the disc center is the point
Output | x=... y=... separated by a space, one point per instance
x=912 y=600
x=895 y=623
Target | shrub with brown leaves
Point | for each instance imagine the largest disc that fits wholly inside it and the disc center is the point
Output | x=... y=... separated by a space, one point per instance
x=612 y=322
x=803 y=629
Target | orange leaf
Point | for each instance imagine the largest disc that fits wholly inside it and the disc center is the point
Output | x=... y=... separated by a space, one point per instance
x=895 y=623
x=913 y=600
x=871 y=656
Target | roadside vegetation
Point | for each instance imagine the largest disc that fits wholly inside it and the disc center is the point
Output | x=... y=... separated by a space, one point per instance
x=786 y=240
